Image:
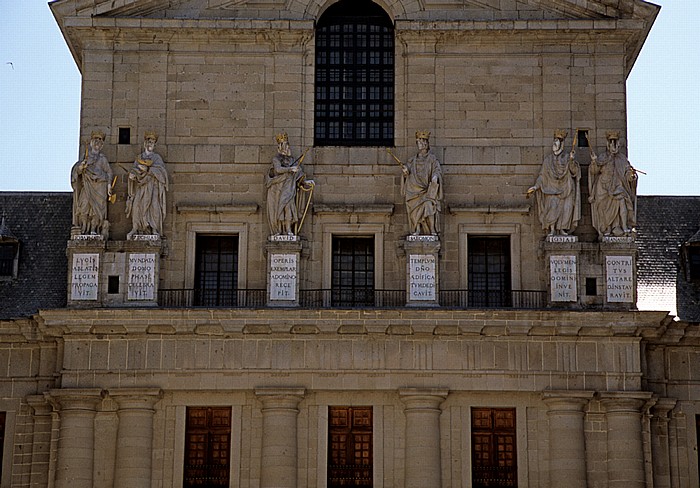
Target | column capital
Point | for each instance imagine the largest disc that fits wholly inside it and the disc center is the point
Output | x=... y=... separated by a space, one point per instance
x=567 y=400
x=39 y=405
x=423 y=398
x=280 y=398
x=662 y=408
x=624 y=401
x=136 y=398
x=75 y=398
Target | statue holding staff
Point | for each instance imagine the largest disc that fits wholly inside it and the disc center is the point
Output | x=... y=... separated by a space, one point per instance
x=284 y=180
x=91 y=180
x=421 y=186
x=557 y=189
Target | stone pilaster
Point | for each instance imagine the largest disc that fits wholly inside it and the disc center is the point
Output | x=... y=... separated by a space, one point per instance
x=41 y=441
x=76 y=438
x=134 y=436
x=660 y=447
x=625 y=448
x=278 y=468
x=423 y=465
x=567 y=444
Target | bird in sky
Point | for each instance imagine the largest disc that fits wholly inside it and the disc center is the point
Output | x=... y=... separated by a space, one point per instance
x=11 y=65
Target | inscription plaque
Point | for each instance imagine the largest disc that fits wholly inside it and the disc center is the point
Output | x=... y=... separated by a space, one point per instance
x=85 y=273
x=562 y=278
x=142 y=277
x=619 y=280
x=283 y=277
x=421 y=277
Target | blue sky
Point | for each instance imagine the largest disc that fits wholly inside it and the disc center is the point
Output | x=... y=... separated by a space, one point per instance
x=40 y=97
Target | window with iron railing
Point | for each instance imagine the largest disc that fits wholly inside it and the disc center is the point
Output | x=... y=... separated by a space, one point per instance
x=352 y=280
x=216 y=271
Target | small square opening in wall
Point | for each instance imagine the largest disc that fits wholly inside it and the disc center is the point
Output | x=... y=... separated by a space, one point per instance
x=112 y=285
x=582 y=137
x=591 y=287
x=124 y=135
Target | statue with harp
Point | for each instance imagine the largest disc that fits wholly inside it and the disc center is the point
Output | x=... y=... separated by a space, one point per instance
x=289 y=193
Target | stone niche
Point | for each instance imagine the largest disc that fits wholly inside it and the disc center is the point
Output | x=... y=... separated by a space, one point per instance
x=113 y=273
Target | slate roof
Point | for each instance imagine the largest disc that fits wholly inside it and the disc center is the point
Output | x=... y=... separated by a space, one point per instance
x=664 y=224
x=41 y=222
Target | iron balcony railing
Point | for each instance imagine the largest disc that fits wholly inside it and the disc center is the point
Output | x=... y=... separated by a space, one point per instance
x=351 y=298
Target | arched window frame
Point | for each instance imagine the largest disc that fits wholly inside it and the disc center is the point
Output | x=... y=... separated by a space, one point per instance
x=354 y=82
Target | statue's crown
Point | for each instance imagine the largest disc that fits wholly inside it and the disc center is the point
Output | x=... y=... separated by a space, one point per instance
x=97 y=133
x=423 y=134
x=149 y=134
x=612 y=134
x=560 y=134
x=281 y=137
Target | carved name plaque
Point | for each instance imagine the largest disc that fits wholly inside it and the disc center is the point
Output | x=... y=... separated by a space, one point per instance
x=85 y=273
x=283 y=277
x=142 y=277
x=284 y=238
x=421 y=274
x=562 y=278
x=619 y=281
x=562 y=239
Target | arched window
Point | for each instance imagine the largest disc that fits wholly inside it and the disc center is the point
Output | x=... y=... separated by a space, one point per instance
x=354 y=99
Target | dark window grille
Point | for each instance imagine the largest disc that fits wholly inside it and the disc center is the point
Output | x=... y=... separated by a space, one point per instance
x=352 y=281
x=354 y=96
x=216 y=271
x=207 y=447
x=494 y=461
x=8 y=253
x=349 y=447
x=488 y=271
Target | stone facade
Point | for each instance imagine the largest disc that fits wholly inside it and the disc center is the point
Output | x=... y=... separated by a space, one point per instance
x=595 y=393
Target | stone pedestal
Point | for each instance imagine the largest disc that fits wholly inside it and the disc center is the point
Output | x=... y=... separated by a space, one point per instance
x=422 y=270
x=113 y=273
x=625 y=448
x=619 y=266
x=567 y=446
x=423 y=464
x=660 y=446
x=283 y=261
x=76 y=438
x=562 y=255
x=134 y=436
x=278 y=468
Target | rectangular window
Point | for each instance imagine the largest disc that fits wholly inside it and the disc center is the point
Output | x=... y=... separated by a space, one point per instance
x=216 y=271
x=694 y=262
x=494 y=460
x=8 y=252
x=349 y=447
x=352 y=282
x=207 y=447
x=488 y=271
